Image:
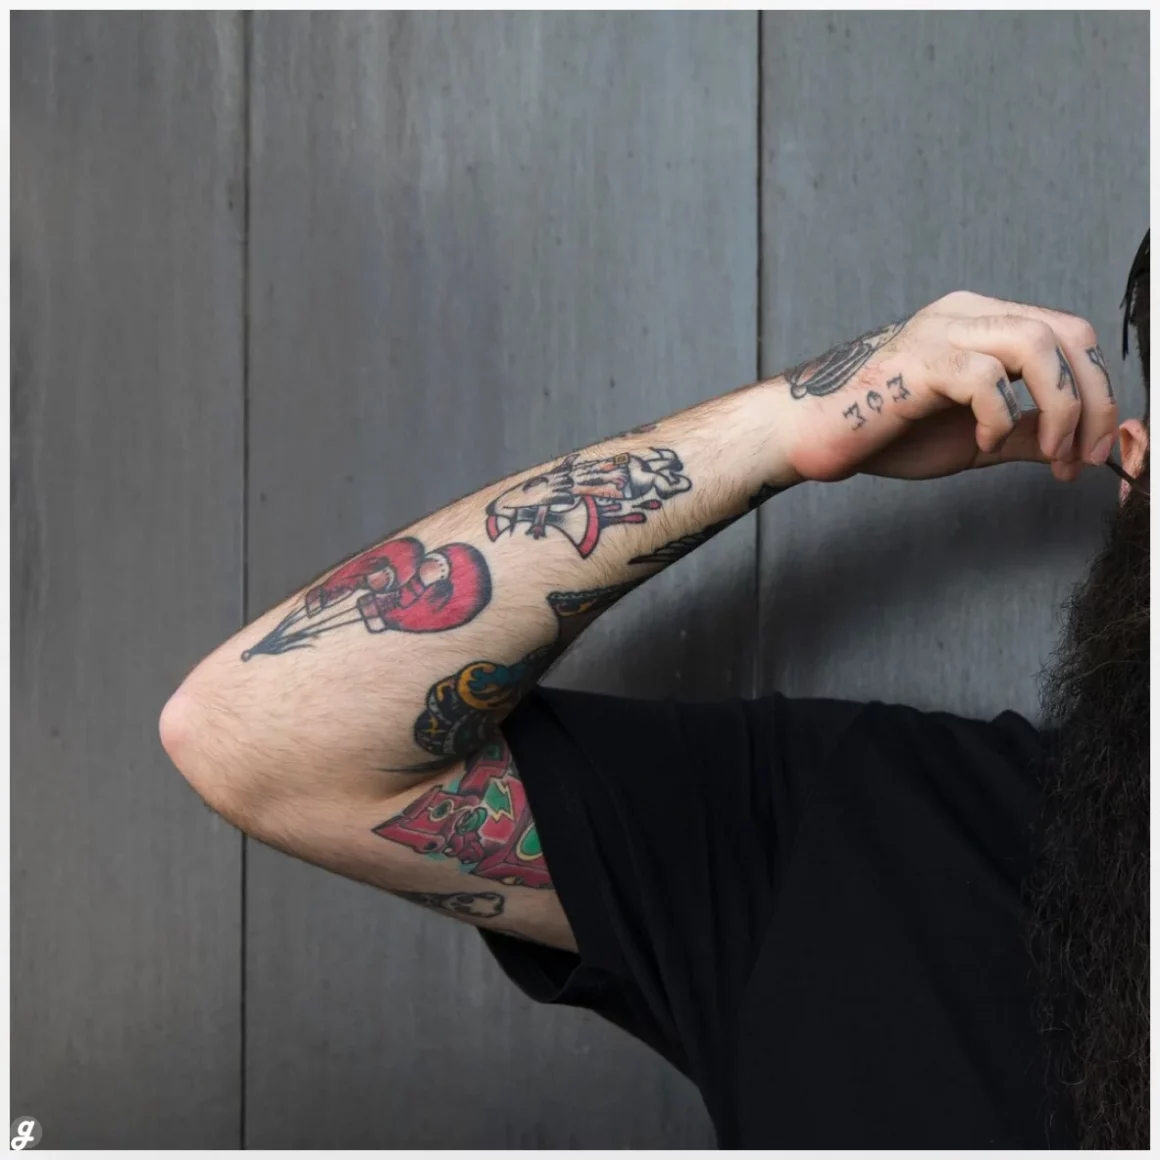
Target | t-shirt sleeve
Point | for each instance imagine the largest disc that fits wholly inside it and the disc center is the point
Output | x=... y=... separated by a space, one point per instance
x=666 y=828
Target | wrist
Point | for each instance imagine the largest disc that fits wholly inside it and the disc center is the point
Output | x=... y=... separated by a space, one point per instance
x=768 y=431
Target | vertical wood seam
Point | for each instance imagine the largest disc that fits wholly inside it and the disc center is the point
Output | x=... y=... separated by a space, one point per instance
x=247 y=65
x=759 y=273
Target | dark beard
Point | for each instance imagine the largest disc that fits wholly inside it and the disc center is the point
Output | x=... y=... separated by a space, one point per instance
x=1087 y=894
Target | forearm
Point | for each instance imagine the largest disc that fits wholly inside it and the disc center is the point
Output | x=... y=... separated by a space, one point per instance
x=408 y=656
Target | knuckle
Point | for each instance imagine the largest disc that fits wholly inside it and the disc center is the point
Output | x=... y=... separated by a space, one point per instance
x=957 y=362
x=992 y=367
x=956 y=299
x=1082 y=333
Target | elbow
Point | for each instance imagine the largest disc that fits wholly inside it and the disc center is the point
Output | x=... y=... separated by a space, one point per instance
x=175 y=727
x=202 y=741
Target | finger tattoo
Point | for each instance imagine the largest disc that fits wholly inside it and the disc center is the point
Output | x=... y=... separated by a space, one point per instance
x=1004 y=389
x=1066 y=375
x=1096 y=358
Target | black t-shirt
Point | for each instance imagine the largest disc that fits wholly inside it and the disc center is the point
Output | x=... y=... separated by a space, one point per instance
x=810 y=907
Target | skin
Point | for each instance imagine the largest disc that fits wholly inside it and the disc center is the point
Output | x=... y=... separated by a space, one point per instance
x=312 y=748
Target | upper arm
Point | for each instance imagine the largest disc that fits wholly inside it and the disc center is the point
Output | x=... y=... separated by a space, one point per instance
x=462 y=842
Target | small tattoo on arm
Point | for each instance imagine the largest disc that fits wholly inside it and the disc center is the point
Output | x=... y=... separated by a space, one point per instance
x=853 y=412
x=575 y=610
x=478 y=821
x=487 y=904
x=675 y=549
x=1004 y=389
x=1096 y=358
x=643 y=429
x=833 y=370
x=1066 y=375
x=874 y=401
x=397 y=585
x=581 y=497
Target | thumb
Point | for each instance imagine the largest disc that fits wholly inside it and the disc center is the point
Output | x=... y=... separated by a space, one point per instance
x=1021 y=446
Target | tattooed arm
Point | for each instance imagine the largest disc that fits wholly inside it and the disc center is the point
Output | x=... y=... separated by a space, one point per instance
x=356 y=724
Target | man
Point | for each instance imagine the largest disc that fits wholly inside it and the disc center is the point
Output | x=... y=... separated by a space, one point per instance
x=850 y=924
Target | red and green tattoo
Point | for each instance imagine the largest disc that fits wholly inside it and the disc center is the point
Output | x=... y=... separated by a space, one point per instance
x=479 y=819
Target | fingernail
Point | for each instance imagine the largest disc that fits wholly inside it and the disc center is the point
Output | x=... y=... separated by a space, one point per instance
x=1063 y=451
x=1100 y=451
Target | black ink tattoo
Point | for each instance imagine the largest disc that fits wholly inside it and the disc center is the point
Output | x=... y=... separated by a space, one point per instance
x=487 y=904
x=833 y=370
x=464 y=710
x=1066 y=375
x=874 y=401
x=575 y=610
x=853 y=412
x=1004 y=389
x=900 y=389
x=1096 y=358
x=643 y=429
x=672 y=551
x=580 y=497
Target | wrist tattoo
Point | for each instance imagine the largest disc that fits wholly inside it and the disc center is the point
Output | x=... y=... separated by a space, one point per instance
x=831 y=371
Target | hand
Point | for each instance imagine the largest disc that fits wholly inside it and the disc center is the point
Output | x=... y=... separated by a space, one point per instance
x=931 y=395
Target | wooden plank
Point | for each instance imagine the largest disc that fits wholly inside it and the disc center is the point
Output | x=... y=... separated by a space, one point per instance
x=126 y=568
x=480 y=240
x=906 y=155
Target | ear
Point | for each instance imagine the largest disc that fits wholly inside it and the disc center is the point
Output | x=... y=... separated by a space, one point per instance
x=1133 y=450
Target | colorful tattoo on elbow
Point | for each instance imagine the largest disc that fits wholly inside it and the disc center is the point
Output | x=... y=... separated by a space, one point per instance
x=479 y=819
x=397 y=585
x=463 y=711
x=581 y=497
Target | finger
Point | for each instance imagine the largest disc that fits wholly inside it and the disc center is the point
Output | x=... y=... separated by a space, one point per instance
x=979 y=381
x=1029 y=349
x=1021 y=446
x=1076 y=337
x=1067 y=472
x=1099 y=417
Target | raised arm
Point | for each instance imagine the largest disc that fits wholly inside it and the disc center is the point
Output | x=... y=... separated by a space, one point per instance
x=383 y=683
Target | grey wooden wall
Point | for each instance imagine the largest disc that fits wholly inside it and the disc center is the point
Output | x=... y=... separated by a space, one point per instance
x=284 y=282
